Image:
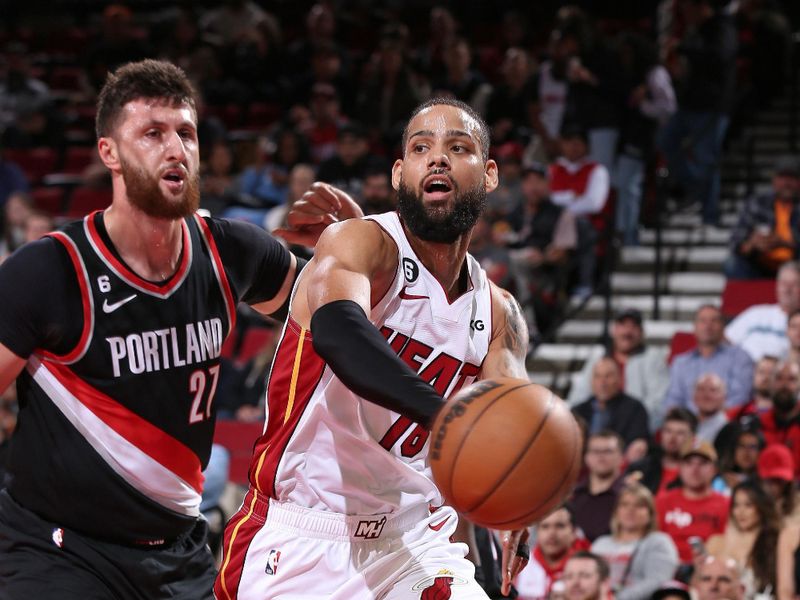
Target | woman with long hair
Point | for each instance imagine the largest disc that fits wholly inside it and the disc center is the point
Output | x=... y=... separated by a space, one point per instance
x=738 y=457
x=751 y=536
x=640 y=557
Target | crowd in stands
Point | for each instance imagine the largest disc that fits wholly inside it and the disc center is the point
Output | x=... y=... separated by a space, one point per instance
x=692 y=460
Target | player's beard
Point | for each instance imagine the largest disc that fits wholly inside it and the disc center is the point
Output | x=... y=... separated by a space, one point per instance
x=439 y=226
x=145 y=194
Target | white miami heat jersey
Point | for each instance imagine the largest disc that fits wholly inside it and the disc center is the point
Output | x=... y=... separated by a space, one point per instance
x=326 y=448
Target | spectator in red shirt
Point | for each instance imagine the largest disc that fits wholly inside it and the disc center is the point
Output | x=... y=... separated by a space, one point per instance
x=781 y=424
x=581 y=186
x=556 y=540
x=693 y=509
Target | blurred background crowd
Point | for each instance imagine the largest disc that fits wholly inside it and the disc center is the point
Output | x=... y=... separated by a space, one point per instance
x=607 y=120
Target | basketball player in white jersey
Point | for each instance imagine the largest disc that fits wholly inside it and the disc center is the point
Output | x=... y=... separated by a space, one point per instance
x=389 y=317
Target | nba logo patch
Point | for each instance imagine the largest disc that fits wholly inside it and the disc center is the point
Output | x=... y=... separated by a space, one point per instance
x=58 y=537
x=272 y=562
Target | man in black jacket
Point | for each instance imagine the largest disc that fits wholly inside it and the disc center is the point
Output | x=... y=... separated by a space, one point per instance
x=610 y=408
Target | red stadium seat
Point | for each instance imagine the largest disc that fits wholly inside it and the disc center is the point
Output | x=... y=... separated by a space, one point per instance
x=229 y=114
x=229 y=345
x=254 y=340
x=65 y=79
x=48 y=199
x=238 y=438
x=78 y=158
x=681 y=342
x=85 y=200
x=261 y=115
x=740 y=294
x=34 y=162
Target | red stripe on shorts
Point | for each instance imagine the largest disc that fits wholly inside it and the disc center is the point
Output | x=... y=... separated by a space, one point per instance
x=239 y=534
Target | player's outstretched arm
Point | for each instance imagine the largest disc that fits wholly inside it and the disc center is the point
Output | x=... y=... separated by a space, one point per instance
x=322 y=205
x=10 y=367
x=506 y=358
x=352 y=269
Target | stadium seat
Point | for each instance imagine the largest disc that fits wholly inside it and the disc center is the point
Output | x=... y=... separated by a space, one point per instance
x=65 y=79
x=261 y=115
x=238 y=438
x=85 y=200
x=48 y=199
x=254 y=340
x=229 y=114
x=740 y=294
x=78 y=158
x=34 y=162
x=230 y=343
x=681 y=342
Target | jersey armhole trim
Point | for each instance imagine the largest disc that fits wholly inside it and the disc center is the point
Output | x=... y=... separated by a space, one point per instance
x=219 y=270
x=392 y=283
x=87 y=303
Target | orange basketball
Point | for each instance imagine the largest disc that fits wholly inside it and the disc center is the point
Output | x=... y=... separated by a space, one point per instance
x=505 y=452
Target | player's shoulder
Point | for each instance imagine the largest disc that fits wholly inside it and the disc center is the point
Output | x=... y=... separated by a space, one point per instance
x=38 y=252
x=363 y=237
x=507 y=317
x=503 y=302
x=221 y=228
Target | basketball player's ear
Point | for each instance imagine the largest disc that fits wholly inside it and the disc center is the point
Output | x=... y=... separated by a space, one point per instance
x=491 y=177
x=397 y=171
x=107 y=148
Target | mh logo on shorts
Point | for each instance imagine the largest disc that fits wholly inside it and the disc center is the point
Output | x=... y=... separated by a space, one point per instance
x=370 y=530
x=272 y=562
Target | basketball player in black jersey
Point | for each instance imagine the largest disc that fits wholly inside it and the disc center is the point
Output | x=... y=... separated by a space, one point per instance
x=113 y=329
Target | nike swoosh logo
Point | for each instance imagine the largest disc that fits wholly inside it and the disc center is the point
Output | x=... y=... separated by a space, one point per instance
x=406 y=296
x=440 y=524
x=109 y=308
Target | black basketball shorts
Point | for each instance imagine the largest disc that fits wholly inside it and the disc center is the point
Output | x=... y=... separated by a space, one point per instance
x=41 y=560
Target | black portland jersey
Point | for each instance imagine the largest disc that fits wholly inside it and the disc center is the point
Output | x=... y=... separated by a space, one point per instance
x=120 y=427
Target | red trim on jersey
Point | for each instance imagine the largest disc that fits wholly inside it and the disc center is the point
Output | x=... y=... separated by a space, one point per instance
x=292 y=382
x=396 y=268
x=230 y=305
x=152 y=441
x=131 y=277
x=239 y=534
x=86 y=303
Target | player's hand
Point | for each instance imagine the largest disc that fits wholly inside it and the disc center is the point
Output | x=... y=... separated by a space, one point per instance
x=320 y=206
x=516 y=554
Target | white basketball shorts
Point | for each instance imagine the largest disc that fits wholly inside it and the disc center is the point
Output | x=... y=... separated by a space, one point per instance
x=276 y=551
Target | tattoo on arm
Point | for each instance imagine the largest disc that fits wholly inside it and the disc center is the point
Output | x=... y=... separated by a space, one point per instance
x=516 y=331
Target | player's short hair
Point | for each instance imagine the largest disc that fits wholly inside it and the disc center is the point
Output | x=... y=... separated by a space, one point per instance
x=151 y=79
x=484 y=137
x=602 y=566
